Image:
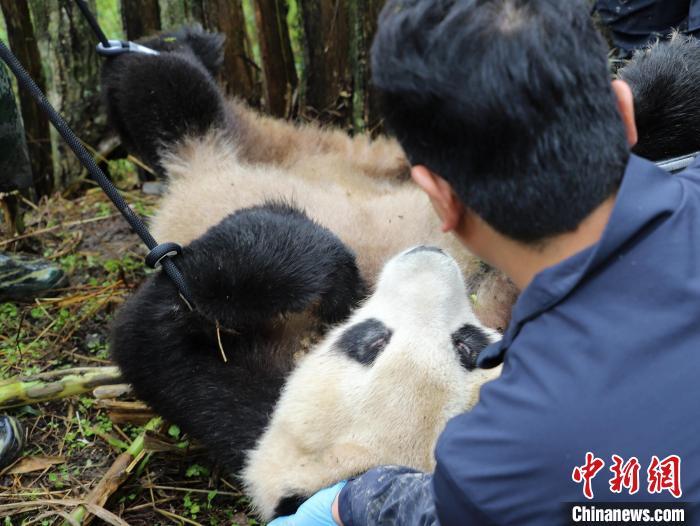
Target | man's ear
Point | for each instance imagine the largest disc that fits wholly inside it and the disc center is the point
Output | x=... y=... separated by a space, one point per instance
x=625 y=105
x=444 y=200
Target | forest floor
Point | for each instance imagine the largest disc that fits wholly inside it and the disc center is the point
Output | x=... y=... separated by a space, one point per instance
x=73 y=442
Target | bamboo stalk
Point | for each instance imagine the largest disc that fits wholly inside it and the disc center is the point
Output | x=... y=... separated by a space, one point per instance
x=53 y=385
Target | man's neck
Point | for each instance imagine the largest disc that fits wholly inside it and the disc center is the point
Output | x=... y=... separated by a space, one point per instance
x=521 y=262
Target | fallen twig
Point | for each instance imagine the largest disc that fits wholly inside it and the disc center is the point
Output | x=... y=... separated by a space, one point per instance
x=177 y=518
x=93 y=508
x=113 y=478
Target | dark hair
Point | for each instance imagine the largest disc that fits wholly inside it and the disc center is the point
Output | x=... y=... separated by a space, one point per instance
x=509 y=101
x=665 y=80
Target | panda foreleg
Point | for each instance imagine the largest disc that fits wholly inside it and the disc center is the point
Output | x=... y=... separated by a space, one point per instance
x=172 y=359
x=268 y=262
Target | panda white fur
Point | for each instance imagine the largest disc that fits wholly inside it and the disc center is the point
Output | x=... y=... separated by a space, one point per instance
x=378 y=390
x=219 y=156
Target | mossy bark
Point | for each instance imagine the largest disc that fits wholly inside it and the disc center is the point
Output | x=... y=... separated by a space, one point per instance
x=68 y=47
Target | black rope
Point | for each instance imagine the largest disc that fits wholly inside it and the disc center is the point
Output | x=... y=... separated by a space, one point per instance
x=94 y=25
x=138 y=226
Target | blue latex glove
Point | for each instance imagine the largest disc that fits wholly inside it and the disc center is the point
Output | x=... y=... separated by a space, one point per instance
x=316 y=511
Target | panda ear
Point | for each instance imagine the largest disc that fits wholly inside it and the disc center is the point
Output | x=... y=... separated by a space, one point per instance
x=364 y=341
x=469 y=340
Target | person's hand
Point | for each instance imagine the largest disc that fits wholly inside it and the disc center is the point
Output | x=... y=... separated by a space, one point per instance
x=316 y=511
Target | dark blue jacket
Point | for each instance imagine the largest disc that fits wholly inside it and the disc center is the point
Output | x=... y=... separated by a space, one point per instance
x=637 y=23
x=602 y=356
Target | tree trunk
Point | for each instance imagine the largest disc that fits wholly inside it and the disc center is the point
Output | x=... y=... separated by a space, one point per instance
x=140 y=18
x=277 y=57
x=20 y=33
x=75 y=85
x=172 y=13
x=237 y=74
x=327 y=33
x=194 y=10
x=366 y=26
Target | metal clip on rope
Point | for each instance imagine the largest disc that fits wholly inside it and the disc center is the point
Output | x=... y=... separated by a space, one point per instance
x=118 y=47
x=110 y=48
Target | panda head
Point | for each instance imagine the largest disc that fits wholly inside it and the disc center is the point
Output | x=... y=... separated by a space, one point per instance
x=420 y=308
x=378 y=390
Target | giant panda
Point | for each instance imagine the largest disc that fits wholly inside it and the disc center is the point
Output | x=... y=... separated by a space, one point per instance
x=218 y=156
x=234 y=372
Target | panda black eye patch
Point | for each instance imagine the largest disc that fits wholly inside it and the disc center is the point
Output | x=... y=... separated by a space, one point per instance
x=365 y=340
x=469 y=340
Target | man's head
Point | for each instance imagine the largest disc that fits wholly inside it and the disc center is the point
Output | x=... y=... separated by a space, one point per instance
x=509 y=102
x=665 y=80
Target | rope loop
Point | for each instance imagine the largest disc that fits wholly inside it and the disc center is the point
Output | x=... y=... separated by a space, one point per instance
x=159 y=252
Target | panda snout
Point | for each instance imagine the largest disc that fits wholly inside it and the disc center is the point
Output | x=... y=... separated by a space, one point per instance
x=423 y=275
x=425 y=248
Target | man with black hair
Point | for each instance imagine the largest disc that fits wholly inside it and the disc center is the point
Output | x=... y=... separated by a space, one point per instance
x=506 y=112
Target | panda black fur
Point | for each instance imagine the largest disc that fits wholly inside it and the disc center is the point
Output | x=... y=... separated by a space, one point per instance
x=260 y=280
x=219 y=156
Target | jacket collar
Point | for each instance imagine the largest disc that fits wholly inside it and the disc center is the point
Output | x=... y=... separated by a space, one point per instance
x=646 y=194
